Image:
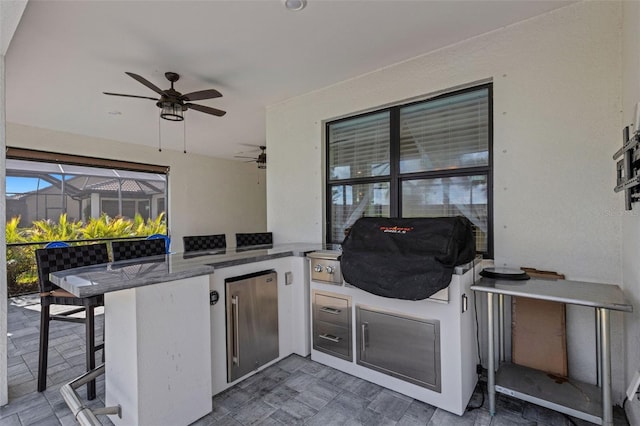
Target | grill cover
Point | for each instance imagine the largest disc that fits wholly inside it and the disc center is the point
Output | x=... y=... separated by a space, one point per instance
x=406 y=258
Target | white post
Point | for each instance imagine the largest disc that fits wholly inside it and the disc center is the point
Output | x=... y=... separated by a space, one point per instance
x=10 y=14
x=4 y=389
x=95 y=205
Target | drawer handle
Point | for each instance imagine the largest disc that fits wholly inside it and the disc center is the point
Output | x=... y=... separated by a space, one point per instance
x=334 y=339
x=329 y=310
x=364 y=337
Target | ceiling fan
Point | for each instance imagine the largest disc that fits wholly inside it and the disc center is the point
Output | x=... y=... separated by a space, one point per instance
x=260 y=160
x=173 y=103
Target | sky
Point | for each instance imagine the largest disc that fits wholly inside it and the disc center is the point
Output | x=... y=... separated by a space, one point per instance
x=22 y=184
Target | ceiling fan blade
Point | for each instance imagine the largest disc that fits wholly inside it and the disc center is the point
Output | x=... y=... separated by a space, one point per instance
x=206 y=109
x=129 y=96
x=201 y=94
x=146 y=82
x=242 y=156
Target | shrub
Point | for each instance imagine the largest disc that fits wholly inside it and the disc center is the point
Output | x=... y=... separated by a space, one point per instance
x=22 y=276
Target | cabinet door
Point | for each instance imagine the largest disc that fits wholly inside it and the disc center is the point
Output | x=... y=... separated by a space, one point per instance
x=402 y=347
x=252 y=324
x=266 y=310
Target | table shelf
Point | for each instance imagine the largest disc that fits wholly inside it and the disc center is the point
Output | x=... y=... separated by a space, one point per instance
x=568 y=396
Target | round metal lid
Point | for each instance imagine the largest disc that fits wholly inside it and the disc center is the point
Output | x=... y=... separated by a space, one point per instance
x=505 y=274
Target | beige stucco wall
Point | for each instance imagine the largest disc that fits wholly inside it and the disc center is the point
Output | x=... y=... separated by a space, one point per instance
x=206 y=195
x=557 y=102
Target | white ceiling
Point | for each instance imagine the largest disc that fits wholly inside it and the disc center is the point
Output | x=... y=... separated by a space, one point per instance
x=64 y=54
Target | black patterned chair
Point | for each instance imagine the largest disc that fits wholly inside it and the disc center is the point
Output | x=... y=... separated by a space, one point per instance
x=254 y=239
x=204 y=242
x=58 y=259
x=133 y=249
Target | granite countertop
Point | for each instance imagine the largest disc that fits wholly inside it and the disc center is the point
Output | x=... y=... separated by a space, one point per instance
x=126 y=274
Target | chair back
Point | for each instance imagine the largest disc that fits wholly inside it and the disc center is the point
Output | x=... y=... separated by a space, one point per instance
x=254 y=239
x=167 y=240
x=204 y=242
x=61 y=258
x=133 y=249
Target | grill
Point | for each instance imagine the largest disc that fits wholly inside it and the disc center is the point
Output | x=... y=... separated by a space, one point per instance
x=409 y=259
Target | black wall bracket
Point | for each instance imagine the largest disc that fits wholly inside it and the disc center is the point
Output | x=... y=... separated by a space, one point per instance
x=628 y=168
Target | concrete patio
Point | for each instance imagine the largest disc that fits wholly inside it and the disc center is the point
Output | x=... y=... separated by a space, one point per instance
x=296 y=390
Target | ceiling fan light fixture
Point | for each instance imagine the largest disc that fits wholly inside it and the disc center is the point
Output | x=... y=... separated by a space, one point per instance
x=295 y=5
x=171 y=111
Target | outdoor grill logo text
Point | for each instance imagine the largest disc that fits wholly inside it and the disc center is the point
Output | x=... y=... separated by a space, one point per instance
x=396 y=229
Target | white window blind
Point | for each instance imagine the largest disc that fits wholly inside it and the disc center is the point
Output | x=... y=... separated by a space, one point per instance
x=359 y=147
x=447 y=133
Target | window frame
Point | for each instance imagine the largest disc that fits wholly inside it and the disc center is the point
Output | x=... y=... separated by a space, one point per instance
x=395 y=178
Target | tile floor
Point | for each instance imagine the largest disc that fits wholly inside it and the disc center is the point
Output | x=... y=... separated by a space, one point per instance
x=294 y=391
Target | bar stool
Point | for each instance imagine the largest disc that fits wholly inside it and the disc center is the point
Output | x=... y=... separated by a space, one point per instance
x=204 y=242
x=133 y=249
x=254 y=239
x=58 y=259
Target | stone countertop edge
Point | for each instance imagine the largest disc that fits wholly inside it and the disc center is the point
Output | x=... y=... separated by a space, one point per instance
x=109 y=277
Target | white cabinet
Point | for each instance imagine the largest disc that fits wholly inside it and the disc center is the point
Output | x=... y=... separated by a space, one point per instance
x=425 y=349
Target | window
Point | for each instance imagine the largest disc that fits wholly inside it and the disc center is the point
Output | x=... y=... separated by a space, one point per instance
x=425 y=159
x=43 y=186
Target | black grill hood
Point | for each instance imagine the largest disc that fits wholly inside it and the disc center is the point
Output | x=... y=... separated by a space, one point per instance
x=407 y=259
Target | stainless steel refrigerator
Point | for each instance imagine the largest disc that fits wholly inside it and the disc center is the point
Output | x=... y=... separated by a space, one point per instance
x=252 y=322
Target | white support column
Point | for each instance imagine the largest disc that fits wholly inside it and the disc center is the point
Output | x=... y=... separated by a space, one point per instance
x=10 y=15
x=95 y=205
x=158 y=353
x=4 y=390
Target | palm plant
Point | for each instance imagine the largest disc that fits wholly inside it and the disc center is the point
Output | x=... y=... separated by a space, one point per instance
x=151 y=226
x=21 y=274
x=47 y=230
x=106 y=227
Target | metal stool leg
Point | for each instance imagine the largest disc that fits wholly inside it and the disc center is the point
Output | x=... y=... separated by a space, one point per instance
x=44 y=348
x=91 y=349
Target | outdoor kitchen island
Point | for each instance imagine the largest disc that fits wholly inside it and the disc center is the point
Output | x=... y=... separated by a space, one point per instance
x=165 y=334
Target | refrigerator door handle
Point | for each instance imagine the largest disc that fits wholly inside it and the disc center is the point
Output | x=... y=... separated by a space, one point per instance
x=235 y=306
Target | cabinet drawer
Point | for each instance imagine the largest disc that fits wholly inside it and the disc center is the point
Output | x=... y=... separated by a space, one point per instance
x=332 y=309
x=332 y=339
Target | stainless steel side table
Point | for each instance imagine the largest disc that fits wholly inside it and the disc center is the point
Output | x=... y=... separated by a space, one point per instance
x=582 y=400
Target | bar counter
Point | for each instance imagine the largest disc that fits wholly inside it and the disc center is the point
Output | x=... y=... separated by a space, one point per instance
x=164 y=337
x=127 y=274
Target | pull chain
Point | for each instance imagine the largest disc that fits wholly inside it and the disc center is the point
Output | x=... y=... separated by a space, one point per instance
x=159 y=136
